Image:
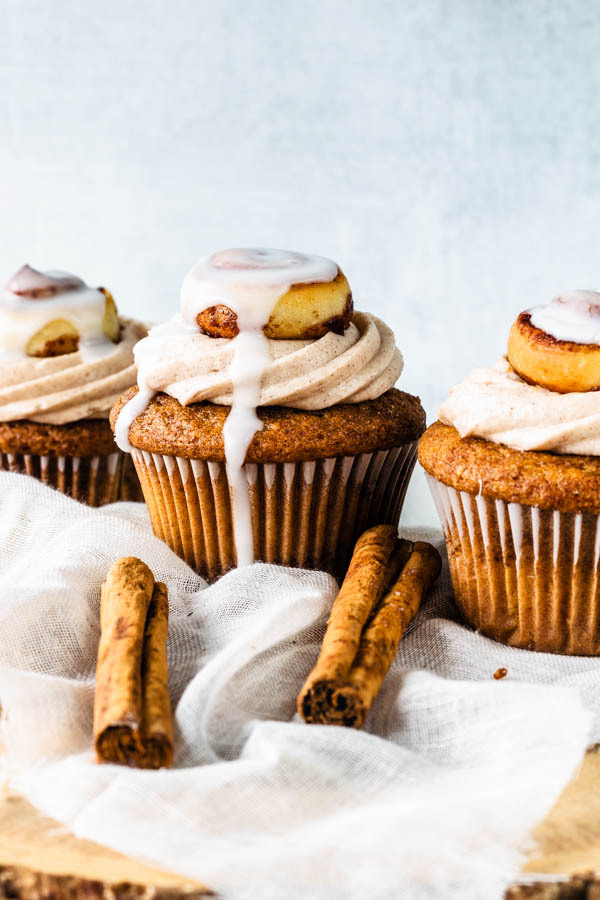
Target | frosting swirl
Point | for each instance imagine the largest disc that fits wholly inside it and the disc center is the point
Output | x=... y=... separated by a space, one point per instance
x=496 y=404
x=360 y=364
x=66 y=388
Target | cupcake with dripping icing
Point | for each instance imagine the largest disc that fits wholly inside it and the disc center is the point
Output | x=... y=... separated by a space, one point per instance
x=265 y=425
x=514 y=468
x=65 y=357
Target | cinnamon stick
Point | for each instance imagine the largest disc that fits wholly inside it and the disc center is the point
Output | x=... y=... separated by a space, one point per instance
x=132 y=717
x=157 y=719
x=352 y=701
x=349 y=672
x=365 y=582
x=361 y=591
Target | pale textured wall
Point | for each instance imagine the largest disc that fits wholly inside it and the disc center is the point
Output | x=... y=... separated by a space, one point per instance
x=445 y=153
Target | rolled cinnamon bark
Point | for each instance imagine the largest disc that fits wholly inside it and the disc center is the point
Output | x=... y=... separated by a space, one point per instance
x=340 y=690
x=132 y=718
x=351 y=702
x=157 y=720
x=376 y=559
x=360 y=593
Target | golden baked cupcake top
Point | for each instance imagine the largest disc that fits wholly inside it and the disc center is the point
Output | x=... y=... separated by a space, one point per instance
x=568 y=483
x=65 y=354
x=286 y=435
x=544 y=394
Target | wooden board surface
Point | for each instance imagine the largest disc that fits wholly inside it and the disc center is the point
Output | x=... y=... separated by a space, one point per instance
x=569 y=838
x=39 y=858
x=31 y=844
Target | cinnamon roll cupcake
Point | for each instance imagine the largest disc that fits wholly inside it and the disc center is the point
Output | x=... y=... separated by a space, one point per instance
x=514 y=468
x=265 y=425
x=65 y=357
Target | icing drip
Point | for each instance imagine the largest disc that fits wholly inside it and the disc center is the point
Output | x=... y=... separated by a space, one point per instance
x=249 y=282
x=32 y=299
x=250 y=357
x=571 y=316
x=128 y=414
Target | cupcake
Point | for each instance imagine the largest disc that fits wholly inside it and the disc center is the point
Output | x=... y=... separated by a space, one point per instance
x=514 y=468
x=65 y=357
x=265 y=425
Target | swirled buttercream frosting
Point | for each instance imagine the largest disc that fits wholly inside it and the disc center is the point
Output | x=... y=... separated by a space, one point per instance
x=496 y=404
x=360 y=364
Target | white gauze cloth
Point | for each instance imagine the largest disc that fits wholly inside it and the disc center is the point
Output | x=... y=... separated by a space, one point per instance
x=435 y=798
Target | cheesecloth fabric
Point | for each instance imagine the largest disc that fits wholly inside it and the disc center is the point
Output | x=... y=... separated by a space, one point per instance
x=435 y=798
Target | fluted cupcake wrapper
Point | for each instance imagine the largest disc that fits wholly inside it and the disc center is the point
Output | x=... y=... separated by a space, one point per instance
x=95 y=480
x=525 y=576
x=304 y=514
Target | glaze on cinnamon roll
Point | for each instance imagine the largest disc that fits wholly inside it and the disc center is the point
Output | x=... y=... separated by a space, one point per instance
x=65 y=357
x=45 y=314
x=557 y=346
x=319 y=301
x=65 y=354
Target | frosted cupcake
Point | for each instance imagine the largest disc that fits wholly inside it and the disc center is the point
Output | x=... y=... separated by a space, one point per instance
x=266 y=425
x=65 y=357
x=514 y=468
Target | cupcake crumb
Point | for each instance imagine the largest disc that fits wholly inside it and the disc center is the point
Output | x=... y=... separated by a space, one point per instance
x=500 y=673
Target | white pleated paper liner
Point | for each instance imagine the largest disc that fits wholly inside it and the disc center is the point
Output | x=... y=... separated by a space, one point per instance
x=525 y=576
x=305 y=514
x=95 y=480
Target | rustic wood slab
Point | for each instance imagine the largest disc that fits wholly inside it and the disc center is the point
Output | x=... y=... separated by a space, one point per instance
x=569 y=838
x=40 y=859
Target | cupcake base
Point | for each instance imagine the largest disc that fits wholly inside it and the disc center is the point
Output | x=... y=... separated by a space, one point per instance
x=306 y=514
x=79 y=459
x=95 y=480
x=525 y=576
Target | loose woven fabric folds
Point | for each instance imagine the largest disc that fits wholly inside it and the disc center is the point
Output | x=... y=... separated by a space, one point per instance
x=434 y=799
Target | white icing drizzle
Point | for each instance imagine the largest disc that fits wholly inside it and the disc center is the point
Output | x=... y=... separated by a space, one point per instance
x=32 y=299
x=570 y=316
x=249 y=282
x=134 y=408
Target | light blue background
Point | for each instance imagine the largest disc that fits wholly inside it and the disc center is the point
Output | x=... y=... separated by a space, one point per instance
x=446 y=154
